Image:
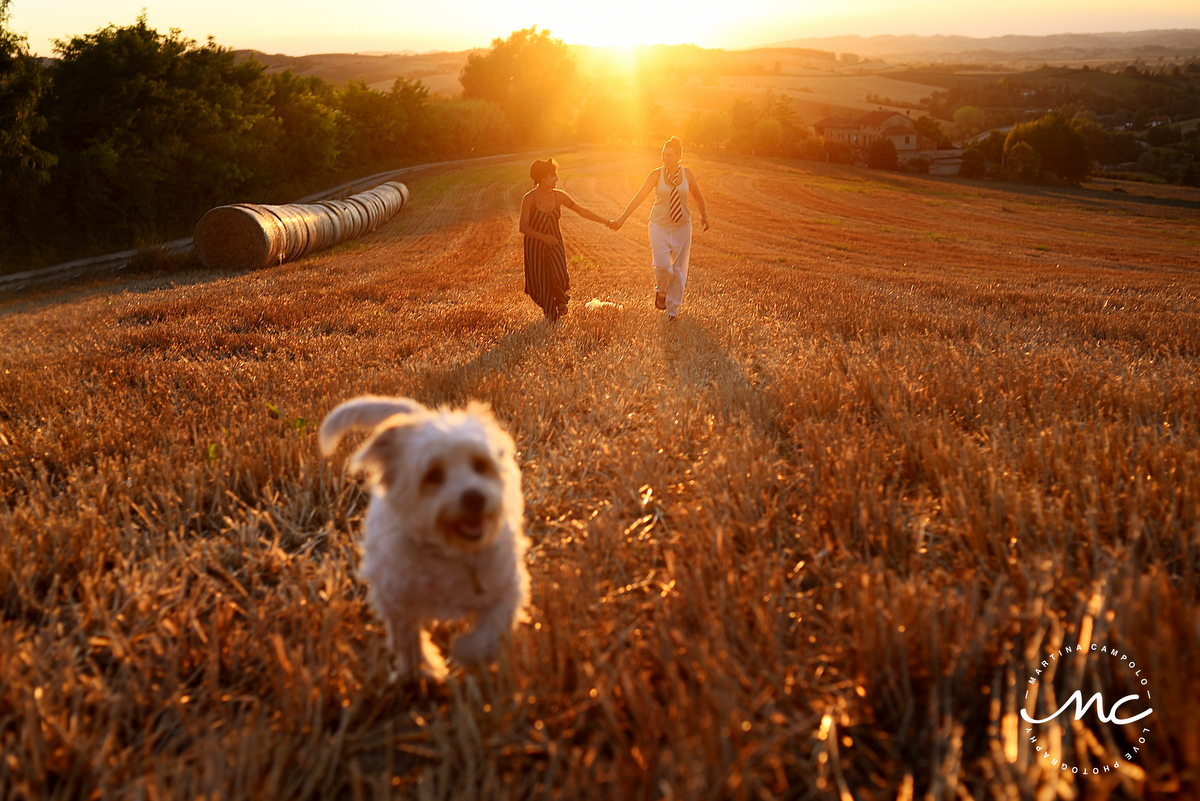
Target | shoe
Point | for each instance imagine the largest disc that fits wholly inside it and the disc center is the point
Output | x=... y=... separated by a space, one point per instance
x=660 y=301
x=671 y=318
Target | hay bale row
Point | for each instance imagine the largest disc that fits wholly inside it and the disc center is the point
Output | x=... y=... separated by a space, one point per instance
x=247 y=235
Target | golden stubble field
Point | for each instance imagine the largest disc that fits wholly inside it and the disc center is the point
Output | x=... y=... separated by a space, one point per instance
x=909 y=437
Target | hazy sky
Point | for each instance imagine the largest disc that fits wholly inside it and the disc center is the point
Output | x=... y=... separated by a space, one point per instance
x=299 y=27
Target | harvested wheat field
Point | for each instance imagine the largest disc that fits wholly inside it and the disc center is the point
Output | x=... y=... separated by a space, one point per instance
x=909 y=440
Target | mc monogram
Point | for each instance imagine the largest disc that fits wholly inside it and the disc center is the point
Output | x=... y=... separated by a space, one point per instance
x=1081 y=708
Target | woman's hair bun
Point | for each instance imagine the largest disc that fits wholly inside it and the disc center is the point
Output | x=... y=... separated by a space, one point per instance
x=541 y=168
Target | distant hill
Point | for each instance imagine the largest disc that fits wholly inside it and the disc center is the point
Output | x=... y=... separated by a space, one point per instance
x=1055 y=47
x=438 y=71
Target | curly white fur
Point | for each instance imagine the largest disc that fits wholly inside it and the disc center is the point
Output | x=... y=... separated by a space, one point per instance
x=443 y=535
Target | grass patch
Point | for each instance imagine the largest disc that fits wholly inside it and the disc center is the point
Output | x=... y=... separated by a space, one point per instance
x=817 y=533
x=581 y=262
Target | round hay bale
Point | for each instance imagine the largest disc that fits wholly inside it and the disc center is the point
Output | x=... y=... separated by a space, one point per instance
x=248 y=236
x=400 y=192
x=334 y=220
x=310 y=219
x=365 y=210
x=291 y=240
x=234 y=237
x=350 y=216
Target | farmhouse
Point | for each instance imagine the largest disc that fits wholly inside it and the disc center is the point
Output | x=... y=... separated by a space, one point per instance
x=860 y=132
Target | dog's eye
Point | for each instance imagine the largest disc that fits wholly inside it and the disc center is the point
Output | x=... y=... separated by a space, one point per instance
x=482 y=466
x=435 y=476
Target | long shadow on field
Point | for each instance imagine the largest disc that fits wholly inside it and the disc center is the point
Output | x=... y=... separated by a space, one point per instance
x=455 y=385
x=54 y=290
x=698 y=364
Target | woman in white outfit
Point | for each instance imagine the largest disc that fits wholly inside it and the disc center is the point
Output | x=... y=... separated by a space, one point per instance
x=670 y=226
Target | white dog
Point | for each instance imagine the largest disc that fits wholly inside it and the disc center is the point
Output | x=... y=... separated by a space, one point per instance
x=443 y=535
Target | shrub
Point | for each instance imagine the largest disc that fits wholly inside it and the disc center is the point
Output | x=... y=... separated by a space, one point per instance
x=1161 y=135
x=929 y=127
x=1191 y=175
x=969 y=118
x=838 y=152
x=974 y=163
x=1060 y=148
x=809 y=149
x=768 y=137
x=881 y=155
x=707 y=129
x=1023 y=160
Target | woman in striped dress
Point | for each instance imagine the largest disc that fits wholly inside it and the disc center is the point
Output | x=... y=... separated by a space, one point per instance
x=670 y=225
x=546 y=279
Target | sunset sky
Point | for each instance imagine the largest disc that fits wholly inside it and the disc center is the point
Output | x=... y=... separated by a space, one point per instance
x=299 y=27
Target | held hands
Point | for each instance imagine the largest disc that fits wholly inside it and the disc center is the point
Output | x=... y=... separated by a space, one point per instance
x=616 y=224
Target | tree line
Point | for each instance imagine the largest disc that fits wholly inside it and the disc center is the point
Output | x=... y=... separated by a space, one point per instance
x=1122 y=116
x=129 y=135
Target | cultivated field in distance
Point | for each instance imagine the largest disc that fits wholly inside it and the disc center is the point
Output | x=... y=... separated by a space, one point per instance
x=684 y=78
x=908 y=436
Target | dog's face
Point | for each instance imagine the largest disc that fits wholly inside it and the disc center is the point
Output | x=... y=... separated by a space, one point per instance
x=443 y=473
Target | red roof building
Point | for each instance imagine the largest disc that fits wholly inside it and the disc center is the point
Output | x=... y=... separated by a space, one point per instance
x=875 y=125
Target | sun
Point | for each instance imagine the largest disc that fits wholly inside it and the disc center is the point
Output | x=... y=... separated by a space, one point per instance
x=605 y=33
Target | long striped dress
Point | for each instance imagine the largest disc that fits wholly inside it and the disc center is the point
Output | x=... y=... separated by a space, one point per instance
x=546 y=279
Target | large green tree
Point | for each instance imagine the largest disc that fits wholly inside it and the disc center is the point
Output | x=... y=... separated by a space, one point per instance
x=151 y=129
x=768 y=126
x=299 y=145
x=929 y=127
x=24 y=165
x=22 y=82
x=378 y=129
x=533 y=77
x=1060 y=148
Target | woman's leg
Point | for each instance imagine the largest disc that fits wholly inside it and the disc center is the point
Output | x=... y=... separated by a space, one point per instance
x=681 y=250
x=660 y=256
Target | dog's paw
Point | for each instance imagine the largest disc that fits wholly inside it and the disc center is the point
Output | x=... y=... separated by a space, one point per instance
x=424 y=673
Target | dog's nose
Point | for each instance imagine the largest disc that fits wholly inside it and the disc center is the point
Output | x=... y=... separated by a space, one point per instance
x=473 y=501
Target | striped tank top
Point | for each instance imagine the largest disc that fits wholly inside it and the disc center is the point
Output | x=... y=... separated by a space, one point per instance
x=660 y=212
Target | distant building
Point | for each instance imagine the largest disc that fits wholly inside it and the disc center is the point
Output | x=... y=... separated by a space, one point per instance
x=860 y=132
x=979 y=137
x=908 y=142
x=838 y=129
x=873 y=124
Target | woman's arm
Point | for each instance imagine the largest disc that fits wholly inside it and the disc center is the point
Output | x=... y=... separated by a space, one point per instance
x=526 y=228
x=647 y=188
x=570 y=203
x=694 y=191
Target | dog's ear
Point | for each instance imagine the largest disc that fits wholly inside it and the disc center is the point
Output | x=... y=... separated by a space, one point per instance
x=382 y=456
x=366 y=411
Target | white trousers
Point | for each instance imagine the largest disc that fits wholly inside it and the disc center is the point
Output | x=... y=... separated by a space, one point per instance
x=671 y=250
